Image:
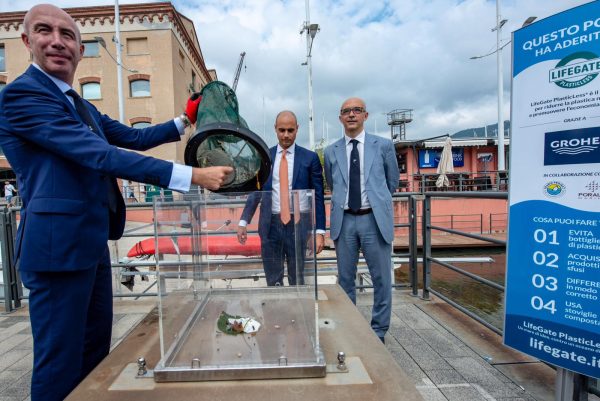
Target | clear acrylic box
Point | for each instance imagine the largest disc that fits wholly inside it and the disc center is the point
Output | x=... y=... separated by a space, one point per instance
x=203 y=270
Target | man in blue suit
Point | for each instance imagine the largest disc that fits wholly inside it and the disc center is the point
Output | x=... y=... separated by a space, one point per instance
x=65 y=155
x=294 y=167
x=362 y=172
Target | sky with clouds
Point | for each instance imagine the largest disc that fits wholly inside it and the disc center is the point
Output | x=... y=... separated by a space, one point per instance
x=394 y=54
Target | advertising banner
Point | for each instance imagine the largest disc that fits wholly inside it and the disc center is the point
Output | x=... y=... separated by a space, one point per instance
x=431 y=157
x=553 y=262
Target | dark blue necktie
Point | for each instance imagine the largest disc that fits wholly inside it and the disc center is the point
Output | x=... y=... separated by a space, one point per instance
x=82 y=110
x=354 y=191
x=85 y=115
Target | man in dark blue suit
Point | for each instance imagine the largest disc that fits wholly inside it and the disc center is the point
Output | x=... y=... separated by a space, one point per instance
x=294 y=167
x=65 y=155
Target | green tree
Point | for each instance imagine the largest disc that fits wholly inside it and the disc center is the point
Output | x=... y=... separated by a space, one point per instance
x=320 y=151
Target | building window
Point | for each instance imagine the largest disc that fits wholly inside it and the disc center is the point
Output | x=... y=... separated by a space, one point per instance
x=2 y=59
x=181 y=59
x=91 y=91
x=401 y=157
x=139 y=88
x=92 y=48
x=137 y=46
x=141 y=124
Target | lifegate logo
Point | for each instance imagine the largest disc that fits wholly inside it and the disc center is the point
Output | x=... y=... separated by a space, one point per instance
x=570 y=72
x=577 y=146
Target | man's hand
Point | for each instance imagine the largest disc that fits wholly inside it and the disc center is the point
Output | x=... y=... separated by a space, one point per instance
x=210 y=177
x=191 y=109
x=242 y=235
x=320 y=243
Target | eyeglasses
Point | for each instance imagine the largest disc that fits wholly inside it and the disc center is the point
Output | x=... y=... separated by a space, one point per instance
x=355 y=110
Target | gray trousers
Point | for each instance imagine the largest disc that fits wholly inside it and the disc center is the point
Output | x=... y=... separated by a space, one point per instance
x=361 y=232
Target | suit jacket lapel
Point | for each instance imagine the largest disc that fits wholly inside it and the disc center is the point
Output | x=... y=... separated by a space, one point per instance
x=269 y=184
x=370 y=144
x=44 y=80
x=297 y=158
x=342 y=159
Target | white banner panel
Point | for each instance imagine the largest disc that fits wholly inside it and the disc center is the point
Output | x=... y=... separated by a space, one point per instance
x=553 y=264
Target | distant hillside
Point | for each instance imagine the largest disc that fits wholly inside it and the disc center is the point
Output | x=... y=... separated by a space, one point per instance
x=480 y=132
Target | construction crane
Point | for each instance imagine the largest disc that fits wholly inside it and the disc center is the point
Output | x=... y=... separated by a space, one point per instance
x=239 y=70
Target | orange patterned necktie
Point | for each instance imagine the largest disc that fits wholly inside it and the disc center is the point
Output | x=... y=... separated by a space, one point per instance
x=284 y=194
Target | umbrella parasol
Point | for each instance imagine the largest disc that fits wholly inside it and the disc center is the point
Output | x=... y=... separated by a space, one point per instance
x=446 y=165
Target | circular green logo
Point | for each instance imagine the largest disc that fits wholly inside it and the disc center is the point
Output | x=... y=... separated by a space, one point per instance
x=572 y=72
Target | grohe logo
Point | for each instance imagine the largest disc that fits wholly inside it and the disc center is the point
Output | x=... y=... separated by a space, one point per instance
x=571 y=73
x=578 y=146
x=554 y=189
x=575 y=146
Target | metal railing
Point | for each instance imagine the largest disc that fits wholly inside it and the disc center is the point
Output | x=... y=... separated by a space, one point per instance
x=491 y=180
x=410 y=226
x=428 y=259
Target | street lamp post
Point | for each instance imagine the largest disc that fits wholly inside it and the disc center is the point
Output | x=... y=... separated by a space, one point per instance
x=500 y=131
x=311 y=31
x=499 y=24
x=118 y=53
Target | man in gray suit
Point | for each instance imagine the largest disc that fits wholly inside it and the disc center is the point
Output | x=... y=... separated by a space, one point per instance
x=362 y=216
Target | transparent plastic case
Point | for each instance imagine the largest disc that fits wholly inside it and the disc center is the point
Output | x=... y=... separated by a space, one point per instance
x=219 y=320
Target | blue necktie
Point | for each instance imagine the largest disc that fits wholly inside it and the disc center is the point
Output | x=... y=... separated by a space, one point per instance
x=85 y=115
x=354 y=192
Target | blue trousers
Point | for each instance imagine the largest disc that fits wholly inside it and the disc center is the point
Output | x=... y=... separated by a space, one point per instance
x=361 y=232
x=280 y=247
x=71 y=322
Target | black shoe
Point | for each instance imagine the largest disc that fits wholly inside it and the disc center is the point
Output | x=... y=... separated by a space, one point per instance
x=382 y=339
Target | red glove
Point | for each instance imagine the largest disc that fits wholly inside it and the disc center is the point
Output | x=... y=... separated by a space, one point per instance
x=191 y=109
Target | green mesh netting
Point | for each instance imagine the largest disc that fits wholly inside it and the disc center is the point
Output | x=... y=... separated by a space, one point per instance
x=219 y=105
x=223 y=138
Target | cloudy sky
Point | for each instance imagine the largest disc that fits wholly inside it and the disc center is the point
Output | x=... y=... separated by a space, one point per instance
x=412 y=54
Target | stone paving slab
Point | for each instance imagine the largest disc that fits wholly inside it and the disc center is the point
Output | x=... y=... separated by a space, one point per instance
x=442 y=366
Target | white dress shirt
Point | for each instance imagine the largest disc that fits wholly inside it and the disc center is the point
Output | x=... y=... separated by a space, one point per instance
x=276 y=206
x=361 y=153
x=275 y=202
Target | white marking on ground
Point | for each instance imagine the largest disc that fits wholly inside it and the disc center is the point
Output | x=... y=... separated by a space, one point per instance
x=428 y=384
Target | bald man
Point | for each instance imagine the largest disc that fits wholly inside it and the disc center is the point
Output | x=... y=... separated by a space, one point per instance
x=66 y=156
x=276 y=230
x=362 y=172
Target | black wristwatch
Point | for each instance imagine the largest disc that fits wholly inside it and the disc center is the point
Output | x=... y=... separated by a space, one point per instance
x=185 y=120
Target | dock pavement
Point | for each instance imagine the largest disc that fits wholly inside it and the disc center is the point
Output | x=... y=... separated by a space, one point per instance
x=447 y=355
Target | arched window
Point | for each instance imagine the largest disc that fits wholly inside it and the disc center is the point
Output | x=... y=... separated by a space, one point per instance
x=91 y=91
x=140 y=122
x=139 y=88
